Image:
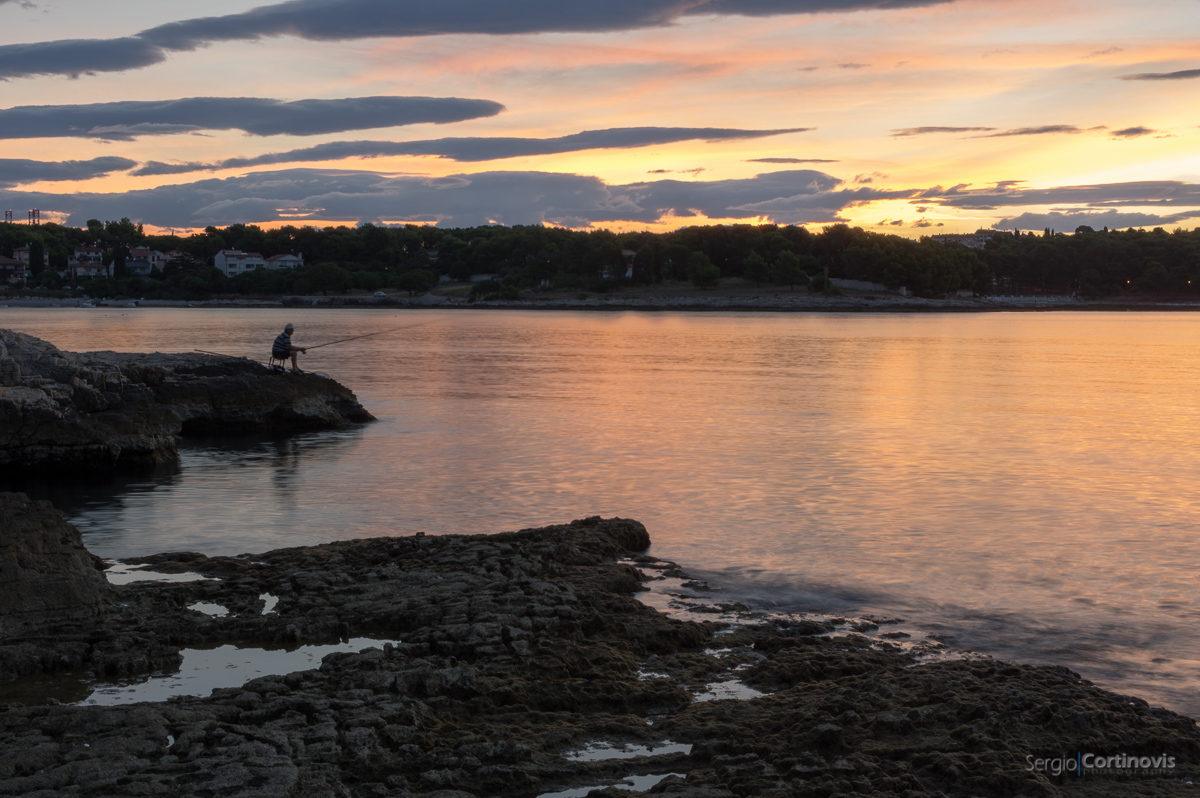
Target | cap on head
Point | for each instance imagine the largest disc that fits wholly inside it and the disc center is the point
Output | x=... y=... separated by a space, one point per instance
x=289 y=326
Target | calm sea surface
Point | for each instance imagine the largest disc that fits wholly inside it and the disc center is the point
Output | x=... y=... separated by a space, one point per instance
x=1026 y=485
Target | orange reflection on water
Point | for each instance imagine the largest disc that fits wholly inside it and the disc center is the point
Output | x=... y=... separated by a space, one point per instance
x=1024 y=481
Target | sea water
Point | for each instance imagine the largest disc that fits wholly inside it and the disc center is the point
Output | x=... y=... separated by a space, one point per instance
x=1019 y=484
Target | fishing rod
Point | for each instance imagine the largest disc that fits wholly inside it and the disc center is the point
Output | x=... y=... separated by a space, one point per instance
x=368 y=335
x=218 y=354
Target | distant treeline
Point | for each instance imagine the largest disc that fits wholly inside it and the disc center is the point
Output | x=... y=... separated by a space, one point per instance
x=413 y=257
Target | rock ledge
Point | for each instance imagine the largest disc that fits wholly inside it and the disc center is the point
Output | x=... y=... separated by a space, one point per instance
x=104 y=411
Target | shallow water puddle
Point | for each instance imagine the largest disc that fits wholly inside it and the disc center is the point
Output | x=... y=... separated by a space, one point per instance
x=269 y=603
x=599 y=752
x=731 y=690
x=208 y=608
x=121 y=574
x=205 y=670
x=635 y=782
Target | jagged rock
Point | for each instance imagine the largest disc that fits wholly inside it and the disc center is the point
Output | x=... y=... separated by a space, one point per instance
x=48 y=580
x=101 y=411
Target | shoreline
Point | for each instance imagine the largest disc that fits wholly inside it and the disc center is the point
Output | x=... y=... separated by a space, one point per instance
x=523 y=664
x=805 y=304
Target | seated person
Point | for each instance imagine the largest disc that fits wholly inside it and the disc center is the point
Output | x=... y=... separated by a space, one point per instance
x=283 y=349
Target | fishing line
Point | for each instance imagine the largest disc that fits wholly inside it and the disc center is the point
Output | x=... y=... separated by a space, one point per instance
x=368 y=335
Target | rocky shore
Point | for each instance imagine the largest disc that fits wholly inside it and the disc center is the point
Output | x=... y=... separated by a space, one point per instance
x=104 y=411
x=523 y=664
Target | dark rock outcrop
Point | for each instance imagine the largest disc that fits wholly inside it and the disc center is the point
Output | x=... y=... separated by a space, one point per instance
x=509 y=651
x=49 y=582
x=102 y=411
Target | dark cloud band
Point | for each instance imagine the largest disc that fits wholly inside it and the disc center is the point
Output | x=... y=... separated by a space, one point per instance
x=1040 y=130
x=474 y=149
x=786 y=197
x=339 y=20
x=925 y=131
x=1183 y=74
x=256 y=116
x=790 y=160
x=456 y=200
x=1140 y=193
x=1069 y=220
x=16 y=171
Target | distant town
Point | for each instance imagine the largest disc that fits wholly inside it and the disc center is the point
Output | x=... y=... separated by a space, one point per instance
x=117 y=258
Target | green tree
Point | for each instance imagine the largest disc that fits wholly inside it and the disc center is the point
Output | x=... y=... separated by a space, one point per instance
x=788 y=271
x=417 y=281
x=702 y=271
x=756 y=269
x=326 y=277
x=645 y=265
x=119 y=253
x=37 y=257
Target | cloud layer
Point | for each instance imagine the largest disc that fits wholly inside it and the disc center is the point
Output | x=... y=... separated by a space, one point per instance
x=1066 y=222
x=474 y=149
x=458 y=200
x=256 y=116
x=1144 y=193
x=1183 y=74
x=17 y=171
x=339 y=20
x=792 y=196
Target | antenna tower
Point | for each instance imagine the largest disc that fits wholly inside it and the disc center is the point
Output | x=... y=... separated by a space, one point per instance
x=8 y=216
x=35 y=217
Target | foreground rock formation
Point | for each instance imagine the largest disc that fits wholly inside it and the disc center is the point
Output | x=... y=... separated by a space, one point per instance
x=101 y=411
x=513 y=650
x=51 y=583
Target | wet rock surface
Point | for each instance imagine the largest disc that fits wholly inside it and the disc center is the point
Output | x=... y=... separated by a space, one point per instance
x=48 y=581
x=102 y=411
x=515 y=650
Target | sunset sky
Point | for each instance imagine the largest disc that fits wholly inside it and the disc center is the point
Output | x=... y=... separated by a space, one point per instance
x=907 y=116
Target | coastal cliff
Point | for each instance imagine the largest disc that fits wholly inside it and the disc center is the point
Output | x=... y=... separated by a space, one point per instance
x=520 y=663
x=104 y=411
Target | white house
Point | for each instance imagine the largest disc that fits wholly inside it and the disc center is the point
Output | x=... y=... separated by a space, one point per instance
x=233 y=262
x=86 y=263
x=285 y=261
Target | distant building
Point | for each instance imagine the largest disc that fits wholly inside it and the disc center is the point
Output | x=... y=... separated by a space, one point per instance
x=142 y=261
x=86 y=263
x=628 y=255
x=976 y=240
x=290 y=261
x=21 y=254
x=12 y=270
x=233 y=262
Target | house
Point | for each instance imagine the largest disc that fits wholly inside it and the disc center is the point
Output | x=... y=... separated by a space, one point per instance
x=291 y=261
x=142 y=261
x=21 y=254
x=628 y=256
x=233 y=262
x=86 y=263
x=12 y=270
x=976 y=240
